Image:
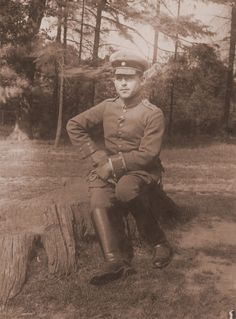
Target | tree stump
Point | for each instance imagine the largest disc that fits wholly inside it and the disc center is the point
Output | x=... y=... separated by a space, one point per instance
x=59 y=239
x=58 y=220
x=54 y=219
x=15 y=250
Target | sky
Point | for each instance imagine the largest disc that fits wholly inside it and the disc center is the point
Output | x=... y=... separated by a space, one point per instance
x=209 y=14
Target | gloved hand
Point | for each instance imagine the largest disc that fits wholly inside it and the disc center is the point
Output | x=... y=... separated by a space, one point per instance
x=104 y=171
x=99 y=158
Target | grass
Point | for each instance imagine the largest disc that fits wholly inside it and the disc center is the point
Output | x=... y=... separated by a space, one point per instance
x=200 y=281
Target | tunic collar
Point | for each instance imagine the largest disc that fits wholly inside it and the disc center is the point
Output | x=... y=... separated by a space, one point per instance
x=129 y=103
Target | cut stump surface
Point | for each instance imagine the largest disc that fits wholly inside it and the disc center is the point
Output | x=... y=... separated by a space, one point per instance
x=54 y=219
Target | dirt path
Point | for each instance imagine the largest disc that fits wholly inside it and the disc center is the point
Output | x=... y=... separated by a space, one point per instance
x=215 y=245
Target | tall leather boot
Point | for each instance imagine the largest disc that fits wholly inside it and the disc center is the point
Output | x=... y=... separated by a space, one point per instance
x=109 y=227
x=150 y=230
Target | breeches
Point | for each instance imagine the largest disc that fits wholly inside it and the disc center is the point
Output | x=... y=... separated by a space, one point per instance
x=106 y=195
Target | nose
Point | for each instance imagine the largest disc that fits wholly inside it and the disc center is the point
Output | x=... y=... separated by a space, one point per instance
x=123 y=81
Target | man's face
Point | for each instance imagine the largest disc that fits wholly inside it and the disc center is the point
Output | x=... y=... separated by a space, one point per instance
x=127 y=85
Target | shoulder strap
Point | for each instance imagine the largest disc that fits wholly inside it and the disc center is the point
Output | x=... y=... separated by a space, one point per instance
x=149 y=105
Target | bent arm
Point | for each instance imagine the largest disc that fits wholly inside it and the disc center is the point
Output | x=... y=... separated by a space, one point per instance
x=78 y=129
x=147 y=153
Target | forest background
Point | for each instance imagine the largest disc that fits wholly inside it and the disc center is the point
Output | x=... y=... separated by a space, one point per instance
x=54 y=63
x=48 y=74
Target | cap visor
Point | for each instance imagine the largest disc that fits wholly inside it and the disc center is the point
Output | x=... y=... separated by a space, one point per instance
x=128 y=71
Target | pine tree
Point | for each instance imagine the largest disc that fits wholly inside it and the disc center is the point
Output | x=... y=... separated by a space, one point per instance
x=173 y=81
x=62 y=63
x=230 y=72
x=231 y=60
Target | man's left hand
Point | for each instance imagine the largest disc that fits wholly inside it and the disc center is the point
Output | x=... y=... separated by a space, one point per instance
x=104 y=171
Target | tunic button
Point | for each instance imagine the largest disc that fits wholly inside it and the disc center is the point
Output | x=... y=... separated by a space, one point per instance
x=119 y=133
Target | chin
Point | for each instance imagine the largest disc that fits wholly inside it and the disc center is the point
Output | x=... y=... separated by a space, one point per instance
x=125 y=95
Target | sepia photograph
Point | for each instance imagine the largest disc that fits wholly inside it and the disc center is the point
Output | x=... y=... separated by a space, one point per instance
x=117 y=159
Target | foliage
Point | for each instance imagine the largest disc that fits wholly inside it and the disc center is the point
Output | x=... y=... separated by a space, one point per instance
x=28 y=54
x=12 y=84
x=12 y=30
x=199 y=77
x=17 y=32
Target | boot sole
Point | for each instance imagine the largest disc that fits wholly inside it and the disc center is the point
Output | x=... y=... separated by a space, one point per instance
x=112 y=276
x=162 y=264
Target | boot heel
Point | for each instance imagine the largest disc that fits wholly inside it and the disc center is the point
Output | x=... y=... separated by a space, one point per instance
x=129 y=271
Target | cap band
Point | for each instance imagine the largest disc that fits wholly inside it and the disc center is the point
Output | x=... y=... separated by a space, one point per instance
x=128 y=64
x=127 y=70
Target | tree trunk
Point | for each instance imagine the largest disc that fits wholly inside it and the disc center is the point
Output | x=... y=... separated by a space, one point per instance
x=36 y=13
x=230 y=72
x=60 y=111
x=100 y=7
x=62 y=88
x=56 y=66
x=156 y=35
x=81 y=31
x=172 y=93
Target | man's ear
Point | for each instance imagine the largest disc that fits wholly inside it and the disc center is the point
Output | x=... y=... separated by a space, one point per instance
x=142 y=79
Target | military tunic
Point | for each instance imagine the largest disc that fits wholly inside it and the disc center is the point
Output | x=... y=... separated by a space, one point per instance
x=133 y=136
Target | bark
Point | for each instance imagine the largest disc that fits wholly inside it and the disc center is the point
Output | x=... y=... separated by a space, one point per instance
x=56 y=65
x=230 y=71
x=59 y=239
x=57 y=219
x=60 y=110
x=36 y=13
x=81 y=31
x=62 y=88
x=156 y=35
x=100 y=7
x=15 y=250
x=172 y=93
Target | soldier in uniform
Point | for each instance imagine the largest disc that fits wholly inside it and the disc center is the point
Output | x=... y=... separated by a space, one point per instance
x=126 y=167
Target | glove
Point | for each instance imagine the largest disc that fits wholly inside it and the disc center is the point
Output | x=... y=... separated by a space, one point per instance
x=99 y=158
x=104 y=171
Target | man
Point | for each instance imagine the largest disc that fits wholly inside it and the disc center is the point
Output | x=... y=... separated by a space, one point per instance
x=129 y=165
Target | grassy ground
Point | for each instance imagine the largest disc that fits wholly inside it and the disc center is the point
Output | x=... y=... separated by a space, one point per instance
x=199 y=283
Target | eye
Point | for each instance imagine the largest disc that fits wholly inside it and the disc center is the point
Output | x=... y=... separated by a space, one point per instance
x=118 y=77
x=126 y=78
